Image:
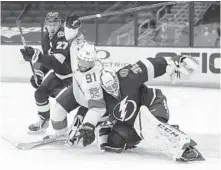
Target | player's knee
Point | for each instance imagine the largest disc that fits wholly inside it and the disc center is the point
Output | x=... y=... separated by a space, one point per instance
x=41 y=94
x=58 y=117
x=159 y=108
x=160 y=111
x=66 y=99
x=58 y=113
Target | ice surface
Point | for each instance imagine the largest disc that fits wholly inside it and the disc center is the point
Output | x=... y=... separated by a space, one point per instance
x=196 y=110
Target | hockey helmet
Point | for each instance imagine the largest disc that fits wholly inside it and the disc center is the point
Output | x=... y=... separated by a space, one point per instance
x=52 y=22
x=86 y=56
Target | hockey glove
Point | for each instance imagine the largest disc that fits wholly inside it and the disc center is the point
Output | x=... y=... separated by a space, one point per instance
x=36 y=84
x=72 y=132
x=86 y=134
x=30 y=54
x=182 y=64
x=40 y=76
x=72 y=21
x=104 y=130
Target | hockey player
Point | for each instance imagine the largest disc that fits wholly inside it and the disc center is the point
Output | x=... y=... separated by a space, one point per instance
x=133 y=120
x=54 y=72
x=87 y=88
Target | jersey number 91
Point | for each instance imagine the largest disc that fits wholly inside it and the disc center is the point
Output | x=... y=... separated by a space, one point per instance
x=90 y=77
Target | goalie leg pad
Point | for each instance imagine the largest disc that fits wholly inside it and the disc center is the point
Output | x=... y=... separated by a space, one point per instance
x=162 y=136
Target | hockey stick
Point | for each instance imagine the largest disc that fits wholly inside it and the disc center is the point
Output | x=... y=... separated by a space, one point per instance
x=54 y=140
x=128 y=10
x=40 y=143
x=18 y=22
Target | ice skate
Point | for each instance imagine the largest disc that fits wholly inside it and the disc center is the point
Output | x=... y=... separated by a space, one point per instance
x=58 y=134
x=39 y=127
x=191 y=154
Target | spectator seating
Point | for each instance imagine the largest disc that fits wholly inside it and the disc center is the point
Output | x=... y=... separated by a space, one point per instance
x=11 y=9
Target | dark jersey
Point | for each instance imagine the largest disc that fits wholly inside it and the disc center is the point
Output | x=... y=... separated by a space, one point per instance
x=56 y=54
x=131 y=79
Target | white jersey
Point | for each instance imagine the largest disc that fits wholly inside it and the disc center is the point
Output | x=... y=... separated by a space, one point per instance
x=87 y=85
x=87 y=88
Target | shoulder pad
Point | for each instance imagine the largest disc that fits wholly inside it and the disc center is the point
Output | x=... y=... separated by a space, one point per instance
x=60 y=34
x=124 y=72
x=79 y=38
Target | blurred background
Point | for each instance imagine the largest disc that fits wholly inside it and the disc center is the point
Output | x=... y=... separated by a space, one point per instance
x=182 y=24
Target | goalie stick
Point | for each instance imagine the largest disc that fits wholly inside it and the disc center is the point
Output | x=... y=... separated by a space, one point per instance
x=18 y=22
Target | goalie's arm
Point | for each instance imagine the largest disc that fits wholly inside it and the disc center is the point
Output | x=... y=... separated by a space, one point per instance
x=155 y=67
x=149 y=68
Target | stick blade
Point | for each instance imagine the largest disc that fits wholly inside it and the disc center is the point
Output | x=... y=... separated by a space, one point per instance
x=23 y=146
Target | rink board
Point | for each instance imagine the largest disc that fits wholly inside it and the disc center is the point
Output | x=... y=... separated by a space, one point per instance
x=208 y=75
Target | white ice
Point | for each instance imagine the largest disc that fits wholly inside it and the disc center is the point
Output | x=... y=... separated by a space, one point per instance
x=196 y=110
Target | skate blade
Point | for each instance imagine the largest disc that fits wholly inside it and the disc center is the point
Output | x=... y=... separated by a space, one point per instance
x=42 y=131
x=180 y=160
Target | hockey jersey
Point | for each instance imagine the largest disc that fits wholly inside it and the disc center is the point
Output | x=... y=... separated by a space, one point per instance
x=87 y=85
x=87 y=88
x=56 y=55
x=126 y=107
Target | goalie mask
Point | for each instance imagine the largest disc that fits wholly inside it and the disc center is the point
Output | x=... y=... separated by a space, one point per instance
x=110 y=82
x=86 y=56
x=52 y=23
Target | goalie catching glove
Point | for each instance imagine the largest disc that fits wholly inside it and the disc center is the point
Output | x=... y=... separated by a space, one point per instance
x=184 y=64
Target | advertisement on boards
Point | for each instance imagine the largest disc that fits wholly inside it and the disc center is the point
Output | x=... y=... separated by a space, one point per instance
x=118 y=57
x=209 y=62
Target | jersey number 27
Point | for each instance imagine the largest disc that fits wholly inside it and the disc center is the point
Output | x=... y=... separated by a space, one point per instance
x=61 y=45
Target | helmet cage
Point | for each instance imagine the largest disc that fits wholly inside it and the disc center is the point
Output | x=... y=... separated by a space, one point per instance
x=112 y=86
